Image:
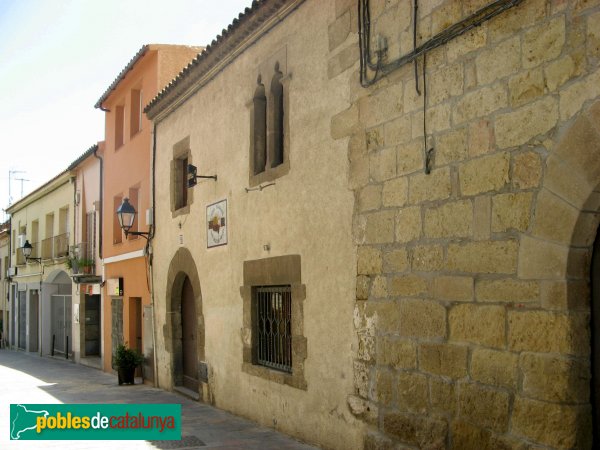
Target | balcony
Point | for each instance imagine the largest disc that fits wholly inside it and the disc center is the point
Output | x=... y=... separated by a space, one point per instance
x=20 y=257
x=83 y=263
x=35 y=253
x=55 y=247
x=83 y=259
x=61 y=245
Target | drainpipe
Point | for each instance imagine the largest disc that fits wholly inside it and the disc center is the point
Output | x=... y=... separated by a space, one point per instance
x=100 y=228
x=12 y=303
x=151 y=255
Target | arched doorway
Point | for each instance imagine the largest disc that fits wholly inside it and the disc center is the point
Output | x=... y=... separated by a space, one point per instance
x=189 y=355
x=184 y=328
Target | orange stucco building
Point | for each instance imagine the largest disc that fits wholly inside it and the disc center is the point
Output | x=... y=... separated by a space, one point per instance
x=126 y=299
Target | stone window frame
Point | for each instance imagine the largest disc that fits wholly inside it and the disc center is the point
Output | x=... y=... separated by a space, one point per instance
x=275 y=271
x=181 y=151
x=271 y=72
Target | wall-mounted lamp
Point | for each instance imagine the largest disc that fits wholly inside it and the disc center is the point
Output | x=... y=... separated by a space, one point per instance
x=193 y=175
x=126 y=214
x=27 y=249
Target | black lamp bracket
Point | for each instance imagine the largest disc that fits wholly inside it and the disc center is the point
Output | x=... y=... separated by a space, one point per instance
x=193 y=175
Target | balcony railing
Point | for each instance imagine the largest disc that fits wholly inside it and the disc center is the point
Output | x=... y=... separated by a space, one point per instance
x=47 y=246
x=20 y=257
x=61 y=245
x=55 y=247
x=35 y=251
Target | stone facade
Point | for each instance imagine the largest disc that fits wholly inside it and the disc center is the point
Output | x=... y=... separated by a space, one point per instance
x=290 y=225
x=472 y=290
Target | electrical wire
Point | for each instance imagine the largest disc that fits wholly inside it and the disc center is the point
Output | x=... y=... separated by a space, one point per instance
x=364 y=37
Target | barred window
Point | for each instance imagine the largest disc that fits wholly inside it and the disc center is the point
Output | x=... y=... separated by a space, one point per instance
x=273 y=327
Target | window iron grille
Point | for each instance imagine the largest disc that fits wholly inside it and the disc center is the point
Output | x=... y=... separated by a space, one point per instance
x=273 y=326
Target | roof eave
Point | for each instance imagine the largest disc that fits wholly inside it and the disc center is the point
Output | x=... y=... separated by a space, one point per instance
x=141 y=52
x=241 y=34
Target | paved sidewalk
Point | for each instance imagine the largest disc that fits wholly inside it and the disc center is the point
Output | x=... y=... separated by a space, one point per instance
x=26 y=378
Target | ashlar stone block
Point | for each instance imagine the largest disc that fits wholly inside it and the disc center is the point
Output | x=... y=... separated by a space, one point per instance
x=453 y=219
x=408 y=224
x=442 y=395
x=496 y=368
x=489 y=173
x=421 y=318
x=447 y=360
x=548 y=332
x=480 y=103
x=380 y=227
x=483 y=257
x=395 y=260
x=427 y=258
x=527 y=170
x=451 y=147
x=554 y=425
x=555 y=379
x=507 y=290
x=395 y=192
x=397 y=353
x=453 y=288
x=511 y=212
x=484 y=406
x=435 y=186
x=369 y=261
x=416 y=430
x=544 y=42
x=413 y=392
x=525 y=87
x=487 y=62
x=521 y=125
x=479 y=324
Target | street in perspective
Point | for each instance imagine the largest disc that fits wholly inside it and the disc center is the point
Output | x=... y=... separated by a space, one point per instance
x=31 y=379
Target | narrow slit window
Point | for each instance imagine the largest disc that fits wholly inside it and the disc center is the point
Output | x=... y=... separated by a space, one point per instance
x=136 y=112
x=277 y=115
x=119 y=125
x=260 y=128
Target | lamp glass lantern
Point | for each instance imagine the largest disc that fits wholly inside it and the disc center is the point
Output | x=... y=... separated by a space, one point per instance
x=126 y=214
x=27 y=249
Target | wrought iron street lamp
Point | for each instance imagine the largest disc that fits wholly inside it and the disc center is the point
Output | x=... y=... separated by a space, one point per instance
x=126 y=214
x=27 y=249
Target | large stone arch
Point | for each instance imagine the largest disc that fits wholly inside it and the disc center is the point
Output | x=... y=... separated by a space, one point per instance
x=557 y=253
x=182 y=265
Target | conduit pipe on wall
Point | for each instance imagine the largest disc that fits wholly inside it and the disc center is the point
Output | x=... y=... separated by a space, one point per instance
x=150 y=255
x=101 y=202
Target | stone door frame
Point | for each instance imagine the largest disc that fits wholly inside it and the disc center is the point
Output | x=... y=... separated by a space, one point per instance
x=182 y=265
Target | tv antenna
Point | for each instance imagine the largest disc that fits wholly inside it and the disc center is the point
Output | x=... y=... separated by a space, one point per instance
x=10 y=174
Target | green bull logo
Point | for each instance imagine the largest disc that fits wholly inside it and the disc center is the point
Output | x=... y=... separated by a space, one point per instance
x=95 y=421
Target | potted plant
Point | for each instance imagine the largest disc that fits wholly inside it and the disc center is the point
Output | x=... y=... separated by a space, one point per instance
x=126 y=361
x=86 y=264
x=72 y=264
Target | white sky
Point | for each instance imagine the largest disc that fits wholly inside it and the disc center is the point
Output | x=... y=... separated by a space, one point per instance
x=57 y=57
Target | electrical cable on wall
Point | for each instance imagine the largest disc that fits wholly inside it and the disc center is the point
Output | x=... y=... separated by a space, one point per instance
x=380 y=69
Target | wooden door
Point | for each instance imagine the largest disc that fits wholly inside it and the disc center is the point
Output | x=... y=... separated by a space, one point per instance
x=188 y=336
